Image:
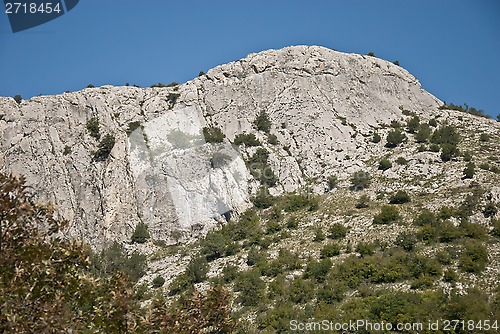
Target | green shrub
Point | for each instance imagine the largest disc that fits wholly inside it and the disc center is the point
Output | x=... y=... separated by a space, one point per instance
x=292 y=222
x=433 y=122
x=172 y=98
x=158 y=281
x=158 y=85
x=388 y=214
x=213 y=135
x=67 y=150
x=450 y=276
x=337 y=231
x=376 y=138
x=115 y=259
x=384 y=164
x=295 y=202
x=443 y=257
x=230 y=273
x=18 y=98
x=104 y=149
x=141 y=233
x=318 y=269
x=260 y=169
x=197 y=269
x=448 y=151
x=248 y=139
x=396 y=62
x=90 y=86
x=262 y=122
x=496 y=228
x=394 y=138
x=301 y=291
x=263 y=199
x=318 y=235
x=484 y=137
x=331 y=292
x=366 y=248
x=474 y=257
x=490 y=210
x=400 y=197
x=360 y=180
x=467 y=156
x=371 y=54
x=329 y=250
x=251 y=288
x=93 y=127
x=256 y=256
x=272 y=139
x=363 y=202
x=132 y=126
x=332 y=181
x=401 y=161
x=469 y=170
x=201 y=73
x=407 y=241
x=434 y=148
x=413 y=124
x=423 y=134
x=445 y=135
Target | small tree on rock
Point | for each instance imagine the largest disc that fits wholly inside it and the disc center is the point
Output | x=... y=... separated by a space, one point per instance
x=141 y=233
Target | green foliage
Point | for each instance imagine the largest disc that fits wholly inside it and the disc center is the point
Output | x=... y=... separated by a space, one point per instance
x=388 y=214
x=141 y=233
x=248 y=139
x=406 y=241
x=474 y=257
x=158 y=281
x=262 y=122
x=423 y=134
x=401 y=161
x=67 y=150
x=363 y=202
x=132 y=126
x=366 y=248
x=469 y=170
x=256 y=256
x=448 y=151
x=158 y=85
x=360 y=180
x=90 y=86
x=45 y=276
x=490 y=210
x=384 y=164
x=400 y=197
x=18 y=98
x=172 y=98
x=433 y=123
x=201 y=73
x=192 y=313
x=260 y=169
x=295 y=202
x=173 y=84
x=218 y=243
x=213 y=135
x=413 y=124
x=330 y=249
x=332 y=181
x=197 y=269
x=251 y=288
x=484 y=137
x=496 y=228
x=115 y=259
x=337 y=231
x=319 y=235
x=318 y=269
x=104 y=149
x=376 y=138
x=394 y=138
x=263 y=199
x=371 y=54
x=272 y=139
x=92 y=127
x=446 y=134
x=465 y=108
x=396 y=62
x=301 y=291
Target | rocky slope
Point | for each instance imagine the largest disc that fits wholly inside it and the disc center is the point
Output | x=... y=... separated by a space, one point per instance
x=324 y=107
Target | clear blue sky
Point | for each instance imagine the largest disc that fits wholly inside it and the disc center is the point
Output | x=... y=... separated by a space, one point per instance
x=451 y=46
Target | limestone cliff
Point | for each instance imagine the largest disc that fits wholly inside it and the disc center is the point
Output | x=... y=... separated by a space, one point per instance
x=324 y=108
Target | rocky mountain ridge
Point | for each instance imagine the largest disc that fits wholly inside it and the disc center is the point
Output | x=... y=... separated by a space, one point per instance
x=324 y=108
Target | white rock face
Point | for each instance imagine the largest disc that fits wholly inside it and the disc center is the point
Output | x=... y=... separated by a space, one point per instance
x=324 y=107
